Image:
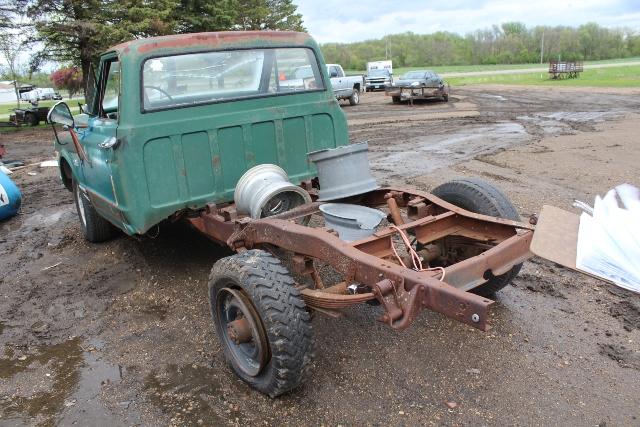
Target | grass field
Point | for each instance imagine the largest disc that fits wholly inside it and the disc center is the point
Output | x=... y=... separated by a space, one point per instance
x=627 y=76
x=6 y=109
x=468 y=68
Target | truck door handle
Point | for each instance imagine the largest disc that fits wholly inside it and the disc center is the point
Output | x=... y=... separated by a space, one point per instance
x=112 y=142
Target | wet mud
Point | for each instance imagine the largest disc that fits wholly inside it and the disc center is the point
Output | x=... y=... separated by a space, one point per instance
x=120 y=333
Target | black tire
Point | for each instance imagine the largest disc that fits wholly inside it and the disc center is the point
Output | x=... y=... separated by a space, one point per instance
x=95 y=228
x=445 y=97
x=478 y=196
x=395 y=99
x=31 y=119
x=281 y=318
x=354 y=99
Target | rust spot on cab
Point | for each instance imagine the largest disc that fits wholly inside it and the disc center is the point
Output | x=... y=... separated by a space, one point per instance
x=213 y=40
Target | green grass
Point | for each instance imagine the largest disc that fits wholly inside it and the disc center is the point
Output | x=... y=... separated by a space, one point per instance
x=468 y=68
x=6 y=109
x=625 y=76
x=13 y=129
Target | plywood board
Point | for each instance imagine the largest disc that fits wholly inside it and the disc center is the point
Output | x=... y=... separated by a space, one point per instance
x=556 y=236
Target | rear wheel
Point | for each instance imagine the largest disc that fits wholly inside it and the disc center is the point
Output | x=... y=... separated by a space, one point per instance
x=95 y=228
x=261 y=321
x=31 y=119
x=354 y=99
x=478 y=196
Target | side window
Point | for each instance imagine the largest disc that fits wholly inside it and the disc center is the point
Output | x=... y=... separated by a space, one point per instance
x=90 y=93
x=111 y=89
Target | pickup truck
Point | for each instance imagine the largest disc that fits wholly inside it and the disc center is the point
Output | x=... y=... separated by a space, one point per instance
x=345 y=87
x=378 y=79
x=188 y=127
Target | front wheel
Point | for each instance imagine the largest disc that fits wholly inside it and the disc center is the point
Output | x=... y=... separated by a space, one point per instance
x=31 y=119
x=95 y=228
x=354 y=99
x=395 y=99
x=478 y=196
x=261 y=321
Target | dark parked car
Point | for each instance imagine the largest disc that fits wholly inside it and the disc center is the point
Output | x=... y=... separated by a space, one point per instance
x=418 y=85
x=424 y=78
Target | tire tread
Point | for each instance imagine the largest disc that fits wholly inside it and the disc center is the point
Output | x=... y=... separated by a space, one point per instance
x=479 y=196
x=272 y=290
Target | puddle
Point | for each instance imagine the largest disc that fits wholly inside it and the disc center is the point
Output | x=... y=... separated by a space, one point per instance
x=422 y=155
x=48 y=217
x=44 y=218
x=582 y=116
x=58 y=384
x=190 y=395
x=498 y=97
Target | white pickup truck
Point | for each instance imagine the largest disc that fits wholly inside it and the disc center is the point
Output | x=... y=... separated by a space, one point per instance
x=345 y=87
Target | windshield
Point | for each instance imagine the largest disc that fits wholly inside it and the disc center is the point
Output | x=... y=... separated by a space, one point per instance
x=413 y=75
x=198 y=78
x=379 y=73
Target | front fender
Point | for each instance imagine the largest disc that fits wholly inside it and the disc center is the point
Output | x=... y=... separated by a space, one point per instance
x=69 y=167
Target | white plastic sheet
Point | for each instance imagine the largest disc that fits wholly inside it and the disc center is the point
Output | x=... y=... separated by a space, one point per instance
x=609 y=240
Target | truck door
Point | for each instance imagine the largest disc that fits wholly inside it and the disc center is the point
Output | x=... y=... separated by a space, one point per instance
x=99 y=140
x=338 y=82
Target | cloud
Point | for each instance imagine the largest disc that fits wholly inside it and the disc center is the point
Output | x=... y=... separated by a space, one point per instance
x=341 y=21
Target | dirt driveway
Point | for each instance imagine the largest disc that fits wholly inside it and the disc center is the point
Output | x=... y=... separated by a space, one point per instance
x=119 y=333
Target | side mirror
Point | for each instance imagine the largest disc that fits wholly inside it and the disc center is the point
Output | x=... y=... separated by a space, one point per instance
x=60 y=113
x=333 y=74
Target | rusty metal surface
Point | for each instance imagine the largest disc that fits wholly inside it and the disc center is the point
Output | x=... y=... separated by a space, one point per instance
x=212 y=40
x=498 y=260
x=403 y=292
x=368 y=269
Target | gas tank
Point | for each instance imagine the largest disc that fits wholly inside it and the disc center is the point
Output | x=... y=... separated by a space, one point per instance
x=10 y=197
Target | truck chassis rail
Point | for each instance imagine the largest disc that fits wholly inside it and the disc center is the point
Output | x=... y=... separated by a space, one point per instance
x=370 y=266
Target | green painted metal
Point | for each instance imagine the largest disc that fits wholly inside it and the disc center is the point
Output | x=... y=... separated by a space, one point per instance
x=169 y=160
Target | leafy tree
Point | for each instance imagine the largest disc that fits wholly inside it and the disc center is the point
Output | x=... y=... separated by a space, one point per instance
x=511 y=42
x=72 y=31
x=69 y=79
x=77 y=31
x=195 y=16
x=10 y=50
x=268 y=15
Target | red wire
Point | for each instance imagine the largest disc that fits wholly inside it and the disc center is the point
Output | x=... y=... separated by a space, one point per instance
x=415 y=258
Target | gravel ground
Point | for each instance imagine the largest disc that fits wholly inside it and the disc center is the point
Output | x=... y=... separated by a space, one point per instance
x=119 y=333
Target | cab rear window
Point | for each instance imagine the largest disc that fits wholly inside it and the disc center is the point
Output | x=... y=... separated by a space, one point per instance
x=202 y=78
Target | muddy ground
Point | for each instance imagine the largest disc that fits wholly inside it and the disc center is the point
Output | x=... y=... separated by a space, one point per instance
x=119 y=333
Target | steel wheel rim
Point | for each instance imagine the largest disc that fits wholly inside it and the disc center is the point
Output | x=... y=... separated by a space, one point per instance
x=251 y=356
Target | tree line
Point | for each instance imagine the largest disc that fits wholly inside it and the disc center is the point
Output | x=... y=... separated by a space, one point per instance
x=508 y=43
x=75 y=32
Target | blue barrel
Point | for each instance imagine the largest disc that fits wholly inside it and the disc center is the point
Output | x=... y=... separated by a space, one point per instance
x=10 y=197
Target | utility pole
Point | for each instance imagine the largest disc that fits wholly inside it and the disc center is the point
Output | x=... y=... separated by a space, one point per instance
x=386 y=47
x=542 y=46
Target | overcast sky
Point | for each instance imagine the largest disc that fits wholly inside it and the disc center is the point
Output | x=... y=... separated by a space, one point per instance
x=354 y=20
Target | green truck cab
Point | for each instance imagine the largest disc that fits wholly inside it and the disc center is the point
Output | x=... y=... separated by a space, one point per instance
x=172 y=123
